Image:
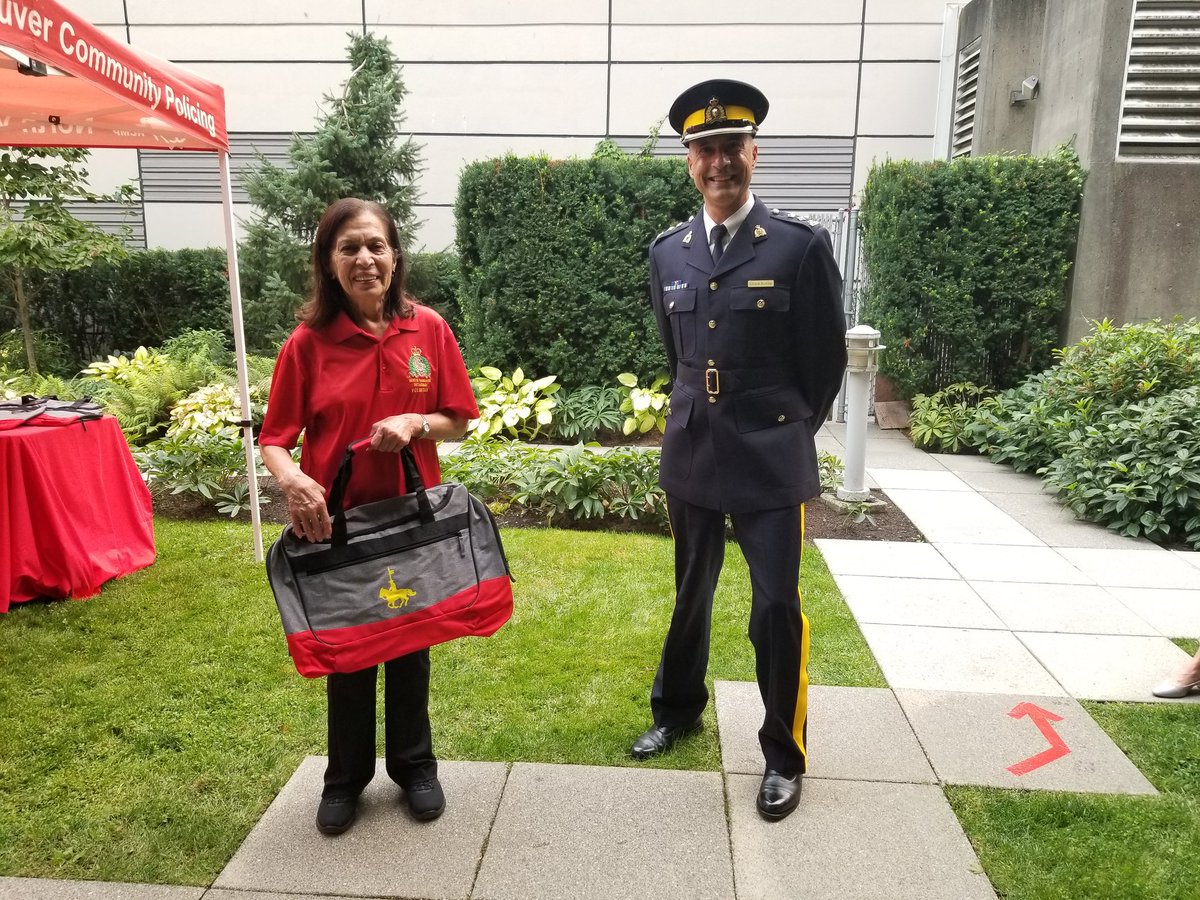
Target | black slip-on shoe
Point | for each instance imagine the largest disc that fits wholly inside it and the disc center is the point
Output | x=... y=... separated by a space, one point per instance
x=778 y=795
x=662 y=738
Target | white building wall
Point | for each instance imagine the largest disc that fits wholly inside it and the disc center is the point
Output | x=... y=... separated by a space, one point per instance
x=486 y=77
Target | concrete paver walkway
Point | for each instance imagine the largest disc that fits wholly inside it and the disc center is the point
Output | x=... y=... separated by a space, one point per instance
x=988 y=636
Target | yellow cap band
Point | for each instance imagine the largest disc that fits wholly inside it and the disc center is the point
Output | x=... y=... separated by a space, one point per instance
x=731 y=112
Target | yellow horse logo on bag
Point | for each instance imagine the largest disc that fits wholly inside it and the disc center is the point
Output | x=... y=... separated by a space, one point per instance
x=395 y=597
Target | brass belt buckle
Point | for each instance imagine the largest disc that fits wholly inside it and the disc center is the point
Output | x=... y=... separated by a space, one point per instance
x=712 y=382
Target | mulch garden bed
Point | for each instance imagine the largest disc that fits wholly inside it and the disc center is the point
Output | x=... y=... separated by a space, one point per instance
x=820 y=519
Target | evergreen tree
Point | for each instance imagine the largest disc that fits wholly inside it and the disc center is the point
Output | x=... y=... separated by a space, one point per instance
x=357 y=151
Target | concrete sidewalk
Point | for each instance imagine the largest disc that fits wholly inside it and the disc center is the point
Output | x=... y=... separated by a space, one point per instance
x=988 y=635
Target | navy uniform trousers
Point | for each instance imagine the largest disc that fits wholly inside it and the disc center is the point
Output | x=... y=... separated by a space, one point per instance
x=771 y=540
x=408 y=740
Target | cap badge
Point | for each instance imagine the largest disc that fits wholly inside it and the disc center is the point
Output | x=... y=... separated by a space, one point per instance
x=714 y=112
x=759 y=231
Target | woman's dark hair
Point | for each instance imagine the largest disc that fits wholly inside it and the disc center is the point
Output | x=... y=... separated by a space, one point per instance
x=327 y=295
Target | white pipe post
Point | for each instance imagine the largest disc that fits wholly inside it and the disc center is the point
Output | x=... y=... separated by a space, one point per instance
x=239 y=347
x=862 y=343
x=854 y=477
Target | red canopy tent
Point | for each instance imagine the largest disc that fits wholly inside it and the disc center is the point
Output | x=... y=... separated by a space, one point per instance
x=64 y=83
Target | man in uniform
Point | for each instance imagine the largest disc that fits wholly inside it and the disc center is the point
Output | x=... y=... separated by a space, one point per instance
x=748 y=301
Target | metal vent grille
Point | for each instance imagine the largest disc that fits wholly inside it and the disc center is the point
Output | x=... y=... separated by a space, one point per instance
x=1160 y=108
x=964 y=99
x=113 y=218
x=186 y=176
x=793 y=173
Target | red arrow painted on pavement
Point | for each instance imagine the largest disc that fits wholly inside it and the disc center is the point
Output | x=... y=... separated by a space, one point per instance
x=1041 y=718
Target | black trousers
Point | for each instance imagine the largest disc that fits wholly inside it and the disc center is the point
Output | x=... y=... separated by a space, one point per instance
x=771 y=540
x=408 y=741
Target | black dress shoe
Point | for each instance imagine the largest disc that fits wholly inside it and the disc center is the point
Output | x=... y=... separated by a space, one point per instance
x=425 y=799
x=778 y=795
x=662 y=738
x=336 y=814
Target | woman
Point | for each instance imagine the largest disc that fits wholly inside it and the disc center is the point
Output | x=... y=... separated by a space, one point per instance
x=365 y=361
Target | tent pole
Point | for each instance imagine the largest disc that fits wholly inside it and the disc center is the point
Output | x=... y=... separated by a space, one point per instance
x=239 y=346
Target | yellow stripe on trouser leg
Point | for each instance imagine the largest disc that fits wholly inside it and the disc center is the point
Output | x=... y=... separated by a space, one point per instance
x=798 y=722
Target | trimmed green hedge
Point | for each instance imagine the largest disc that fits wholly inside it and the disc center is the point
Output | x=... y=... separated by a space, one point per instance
x=554 y=263
x=141 y=301
x=433 y=279
x=967 y=265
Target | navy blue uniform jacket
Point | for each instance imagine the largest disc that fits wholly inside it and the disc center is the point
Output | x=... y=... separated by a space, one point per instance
x=768 y=318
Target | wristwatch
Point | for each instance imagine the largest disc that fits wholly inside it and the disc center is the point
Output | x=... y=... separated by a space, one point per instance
x=424 y=427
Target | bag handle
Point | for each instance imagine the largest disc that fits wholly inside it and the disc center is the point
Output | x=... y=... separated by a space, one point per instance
x=412 y=481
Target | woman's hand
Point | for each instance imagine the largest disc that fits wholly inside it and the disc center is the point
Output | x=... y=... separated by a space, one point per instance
x=393 y=434
x=306 y=507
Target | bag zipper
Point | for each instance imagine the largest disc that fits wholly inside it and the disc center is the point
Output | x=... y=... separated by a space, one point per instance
x=382 y=553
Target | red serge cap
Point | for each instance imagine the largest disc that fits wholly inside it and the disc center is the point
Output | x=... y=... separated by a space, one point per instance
x=719 y=106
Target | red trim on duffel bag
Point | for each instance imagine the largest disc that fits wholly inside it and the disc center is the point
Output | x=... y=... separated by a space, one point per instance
x=360 y=646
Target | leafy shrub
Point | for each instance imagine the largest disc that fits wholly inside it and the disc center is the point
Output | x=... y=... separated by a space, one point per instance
x=149 y=386
x=141 y=300
x=51 y=354
x=582 y=414
x=645 y=408
x=514 y=405
x=567 y=484
x=967 y=265
x=207 y=463
x=125 y=368
x=554 y=264
x=830 y=468
x=1030 y=425
x=1136 y=469
x=208 y=409
x=940 y=421
x=433 y=279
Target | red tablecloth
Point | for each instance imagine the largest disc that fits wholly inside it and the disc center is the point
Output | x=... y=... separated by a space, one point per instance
x=74 y=511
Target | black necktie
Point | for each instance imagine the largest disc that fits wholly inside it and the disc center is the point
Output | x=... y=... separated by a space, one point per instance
x=718 y=242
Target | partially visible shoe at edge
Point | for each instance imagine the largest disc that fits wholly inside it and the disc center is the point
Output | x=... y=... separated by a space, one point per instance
x=1175 y=690
x=336 y=814
x=426 y=801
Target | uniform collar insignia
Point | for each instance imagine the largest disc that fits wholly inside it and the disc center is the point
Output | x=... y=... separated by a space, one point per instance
x=687 y=238
x=759 y=231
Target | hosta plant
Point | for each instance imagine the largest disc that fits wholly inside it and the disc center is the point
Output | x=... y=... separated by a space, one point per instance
x=126 y=368
x=644 y=408
x=512 y=405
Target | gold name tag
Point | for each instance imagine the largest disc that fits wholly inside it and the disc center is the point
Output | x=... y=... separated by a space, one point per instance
x=767 y=282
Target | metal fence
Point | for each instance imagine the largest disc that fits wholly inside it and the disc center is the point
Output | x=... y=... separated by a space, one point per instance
x=847 y=248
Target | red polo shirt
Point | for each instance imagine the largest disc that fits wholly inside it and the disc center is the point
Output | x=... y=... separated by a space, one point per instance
x=335 y=383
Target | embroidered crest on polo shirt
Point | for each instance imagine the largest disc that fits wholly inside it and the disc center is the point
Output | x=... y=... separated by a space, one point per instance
x=420 y=372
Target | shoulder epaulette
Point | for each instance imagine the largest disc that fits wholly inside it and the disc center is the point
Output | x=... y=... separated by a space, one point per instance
x=662 y=234
x=795 y=219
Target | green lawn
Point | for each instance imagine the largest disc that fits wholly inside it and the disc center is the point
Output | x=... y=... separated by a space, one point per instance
x=146 y=730
x=1039 y=844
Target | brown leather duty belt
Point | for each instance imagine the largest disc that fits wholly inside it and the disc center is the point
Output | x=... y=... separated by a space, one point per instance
x=714 y=381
